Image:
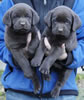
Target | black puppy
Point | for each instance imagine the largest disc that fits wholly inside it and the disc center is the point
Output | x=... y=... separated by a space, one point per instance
x=21 y=38
x=62 y=24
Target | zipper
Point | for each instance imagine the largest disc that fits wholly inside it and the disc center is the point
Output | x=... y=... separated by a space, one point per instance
x=45 y=2
x=7 y=75
x=11 y=70
x=42 y=81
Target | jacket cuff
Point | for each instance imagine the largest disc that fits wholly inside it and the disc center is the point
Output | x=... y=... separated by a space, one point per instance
x=67 y=61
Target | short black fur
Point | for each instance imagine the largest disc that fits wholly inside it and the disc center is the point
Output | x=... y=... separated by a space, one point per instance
x=20 y=21
x=62 y=24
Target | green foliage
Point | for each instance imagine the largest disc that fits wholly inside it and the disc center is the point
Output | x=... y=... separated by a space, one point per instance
x=80 y=77
x=1 y=93
x=1 y=72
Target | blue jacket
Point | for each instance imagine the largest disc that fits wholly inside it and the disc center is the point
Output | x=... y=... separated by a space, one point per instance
x=13 y=78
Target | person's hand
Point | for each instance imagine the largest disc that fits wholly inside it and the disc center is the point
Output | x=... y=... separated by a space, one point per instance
x=64 y=55
x=48 y=46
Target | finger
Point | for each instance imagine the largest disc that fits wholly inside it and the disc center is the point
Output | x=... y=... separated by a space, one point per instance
x=63 y=56
x=39 y=35
x=47 y=44
x=29 y=37
x=63 y=45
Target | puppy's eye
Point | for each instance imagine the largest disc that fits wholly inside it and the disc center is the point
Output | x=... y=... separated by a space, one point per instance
x=66 y=22
x=55 y=22
x=26 y=16
x=16 y=16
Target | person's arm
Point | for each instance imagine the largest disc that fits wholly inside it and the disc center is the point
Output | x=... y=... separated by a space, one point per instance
x=5 y=55
x=77 y=55
x=75 y=58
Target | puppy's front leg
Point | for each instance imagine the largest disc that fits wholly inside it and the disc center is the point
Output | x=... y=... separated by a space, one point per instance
x=36 y=61
x=33 y=45
x=26 y=68
x=22 y=62
x=50 y=60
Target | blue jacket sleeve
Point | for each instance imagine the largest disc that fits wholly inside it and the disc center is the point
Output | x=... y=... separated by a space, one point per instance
x=78 y=53
x=5 y=55
x=76 y=57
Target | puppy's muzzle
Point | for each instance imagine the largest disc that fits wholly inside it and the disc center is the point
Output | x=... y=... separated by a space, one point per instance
x=22 y=23
x=60 y=30
x=57 y=31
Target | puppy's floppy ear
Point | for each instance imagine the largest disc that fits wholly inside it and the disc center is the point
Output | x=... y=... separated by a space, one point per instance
x=7 y=18
x=48 y=19
x=35 y=17
x=76 y=22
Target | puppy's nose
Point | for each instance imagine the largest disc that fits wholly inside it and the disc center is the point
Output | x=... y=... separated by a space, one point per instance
x=23 y=23
x=60 y=29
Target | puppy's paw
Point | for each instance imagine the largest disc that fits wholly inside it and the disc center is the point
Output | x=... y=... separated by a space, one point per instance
x=44 y=70
x=55 y=92
x=28 y=75
x=36 y=85
x=37 y=88
x=35 y=62
x=46 y=77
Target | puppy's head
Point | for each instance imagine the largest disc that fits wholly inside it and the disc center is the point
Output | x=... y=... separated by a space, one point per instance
x=62 y=21
x=20 y=17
